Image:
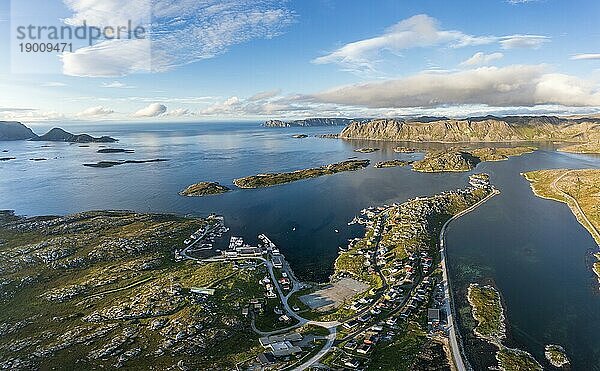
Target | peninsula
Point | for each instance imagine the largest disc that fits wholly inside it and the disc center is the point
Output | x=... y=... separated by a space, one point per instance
x=579 y=190
x=271 y=179
x=204 y=189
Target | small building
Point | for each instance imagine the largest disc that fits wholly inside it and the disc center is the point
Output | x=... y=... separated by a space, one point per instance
x=433 y=316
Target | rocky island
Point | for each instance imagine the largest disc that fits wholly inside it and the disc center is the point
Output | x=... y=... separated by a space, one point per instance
x=115 y=150
x=446 y=161
x=457 y=160
x=204 y=189
x=105 y=164
x=391 y=163
x=488 y=312
x=366 y=150
x=267 y=180
x=555 y=354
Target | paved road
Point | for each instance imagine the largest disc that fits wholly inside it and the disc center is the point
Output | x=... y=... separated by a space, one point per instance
x=314 y=359
x=592 y=228
x=459 y=362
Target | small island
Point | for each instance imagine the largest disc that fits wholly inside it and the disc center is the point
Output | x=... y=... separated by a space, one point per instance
x=500 y=154
x=366 y=150
x=556 y=355
x=299 y=136
x=271 y=179
x=446 y=161
x=7 y=158
x=105 y=164
x=404 y=150
x=458 y=160
x=391 y=163
x=115 y=150
x=204 y=189
x=488 y=312
x=516 y=360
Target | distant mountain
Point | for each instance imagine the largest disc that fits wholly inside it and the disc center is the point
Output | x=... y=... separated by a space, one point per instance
x=60 y=135
x=307 y=122
x=12 y=130
x=476 y=129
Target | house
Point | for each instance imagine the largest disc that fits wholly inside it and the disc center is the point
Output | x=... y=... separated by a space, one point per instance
x=266 y=359
x=364 y=349
x=433 y=316
x=352 y=363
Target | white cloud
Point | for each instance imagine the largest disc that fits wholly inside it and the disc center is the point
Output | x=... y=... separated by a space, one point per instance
x=579 y=57
x=265 y=95
x=95 y=112
x=116 y=85
x=53 y=84
x=481 y=58
x=520 y=1
x=152 y=110
x=109 y=59
x=179 y=112
x=511 y=86
x=523 y=41
x=417 y=31
x=182 y=32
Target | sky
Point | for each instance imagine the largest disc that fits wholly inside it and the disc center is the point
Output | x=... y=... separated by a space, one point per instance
x=215 y=60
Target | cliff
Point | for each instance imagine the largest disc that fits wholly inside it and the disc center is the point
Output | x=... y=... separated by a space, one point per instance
x=12 y=130
x=307 y=122
x=477 y=129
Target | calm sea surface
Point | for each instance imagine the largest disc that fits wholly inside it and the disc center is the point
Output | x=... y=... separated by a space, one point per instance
x=532 y=249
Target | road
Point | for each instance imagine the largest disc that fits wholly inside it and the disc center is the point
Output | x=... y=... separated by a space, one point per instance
x=568 y=197
x=455 y=350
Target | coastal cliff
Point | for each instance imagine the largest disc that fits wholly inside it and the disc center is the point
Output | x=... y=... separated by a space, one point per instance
x=307 y=122
x=477 y=129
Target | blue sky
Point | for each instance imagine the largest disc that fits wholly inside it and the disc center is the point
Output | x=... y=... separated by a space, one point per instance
x=262 y=59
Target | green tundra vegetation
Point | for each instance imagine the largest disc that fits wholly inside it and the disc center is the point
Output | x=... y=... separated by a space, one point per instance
x=102 y=290
x=267 y=180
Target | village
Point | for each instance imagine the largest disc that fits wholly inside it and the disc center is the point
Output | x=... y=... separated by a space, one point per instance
x=383 y=283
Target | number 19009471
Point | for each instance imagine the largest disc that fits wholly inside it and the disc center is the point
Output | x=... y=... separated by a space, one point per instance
x=45 y=47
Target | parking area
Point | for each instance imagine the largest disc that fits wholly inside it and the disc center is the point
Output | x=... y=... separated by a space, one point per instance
x=334 y=295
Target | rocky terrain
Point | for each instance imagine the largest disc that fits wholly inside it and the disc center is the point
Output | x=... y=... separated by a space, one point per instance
x=204 y=189
x=456 y=160
x=476 y=129
x=307 y=122
x=102 y=290
x=446 y=161
x=271 y=179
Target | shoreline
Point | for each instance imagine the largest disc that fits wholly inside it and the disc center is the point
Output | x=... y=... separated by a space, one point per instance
x=455 y=340
x=576 y=211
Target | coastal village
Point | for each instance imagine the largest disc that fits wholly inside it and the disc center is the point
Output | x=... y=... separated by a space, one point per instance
x=386 y=286
x=388 y=292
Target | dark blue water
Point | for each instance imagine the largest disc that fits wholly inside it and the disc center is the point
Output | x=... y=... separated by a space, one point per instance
x=532 y=249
